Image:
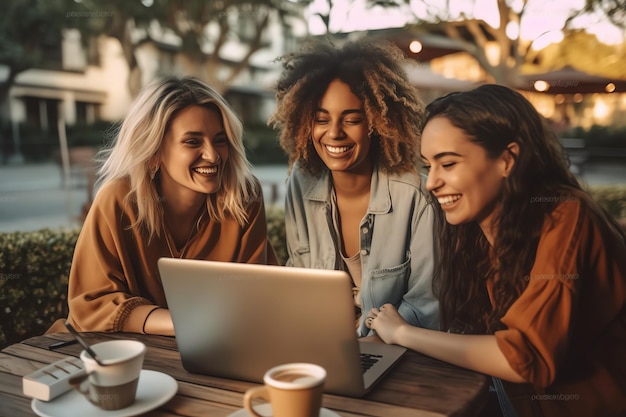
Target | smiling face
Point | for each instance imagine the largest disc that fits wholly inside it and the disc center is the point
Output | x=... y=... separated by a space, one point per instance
x=340 y=132
x=193 y=154
x=464 y=179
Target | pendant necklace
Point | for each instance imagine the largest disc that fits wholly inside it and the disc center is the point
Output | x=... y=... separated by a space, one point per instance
x=182 y=251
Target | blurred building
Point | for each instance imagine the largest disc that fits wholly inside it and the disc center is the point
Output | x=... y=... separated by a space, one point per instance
x=80 y=85
x=437 y=64
x=444 y=64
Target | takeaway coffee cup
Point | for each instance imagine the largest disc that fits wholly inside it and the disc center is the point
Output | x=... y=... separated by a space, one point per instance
x=293 y=390
x=114 y=385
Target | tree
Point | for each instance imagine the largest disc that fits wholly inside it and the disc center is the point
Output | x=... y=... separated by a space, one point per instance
x=204 y=27
x=332 y=8
x=583 y=51
x=479 y=38
x=614 y=10
x=25 y=26
x=26 y=29
x=118 y=19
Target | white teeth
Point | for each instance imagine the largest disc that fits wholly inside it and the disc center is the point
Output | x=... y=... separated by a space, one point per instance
x=206 y=171
x=337 y=149
x=449 y=199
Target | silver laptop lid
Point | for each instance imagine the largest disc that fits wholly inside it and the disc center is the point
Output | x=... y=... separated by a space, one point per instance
x=238 y=320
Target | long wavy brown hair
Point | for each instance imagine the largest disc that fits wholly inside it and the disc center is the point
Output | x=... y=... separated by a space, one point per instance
x=375 y=75
x=493 y=116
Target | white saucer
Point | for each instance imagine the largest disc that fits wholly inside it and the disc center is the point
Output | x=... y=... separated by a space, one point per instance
x=266 y=410
x=154 y=389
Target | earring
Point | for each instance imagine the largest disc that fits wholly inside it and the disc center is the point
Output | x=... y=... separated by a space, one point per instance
x=153 y=172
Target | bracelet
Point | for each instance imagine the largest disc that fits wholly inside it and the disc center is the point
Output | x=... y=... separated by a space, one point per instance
x=143 y=328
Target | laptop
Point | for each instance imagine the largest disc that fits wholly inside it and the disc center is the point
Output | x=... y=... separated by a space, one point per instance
x=237 y=320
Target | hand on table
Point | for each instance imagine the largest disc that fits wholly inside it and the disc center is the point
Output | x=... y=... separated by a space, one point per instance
x=386 y=321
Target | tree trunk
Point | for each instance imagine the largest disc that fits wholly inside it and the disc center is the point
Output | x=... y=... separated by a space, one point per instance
x=121 y=30
x=5 y=88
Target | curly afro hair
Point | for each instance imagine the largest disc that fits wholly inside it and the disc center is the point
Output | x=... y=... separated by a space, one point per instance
x=374 y=72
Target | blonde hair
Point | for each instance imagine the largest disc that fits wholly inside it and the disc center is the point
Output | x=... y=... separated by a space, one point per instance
x=138 y=141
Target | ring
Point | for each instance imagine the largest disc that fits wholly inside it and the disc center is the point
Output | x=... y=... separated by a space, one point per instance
x=369 y=321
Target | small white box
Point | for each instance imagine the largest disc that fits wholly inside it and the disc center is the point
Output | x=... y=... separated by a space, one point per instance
x=51 y=381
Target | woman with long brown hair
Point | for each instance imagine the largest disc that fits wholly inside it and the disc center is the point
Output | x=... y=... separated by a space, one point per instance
x=532 y=277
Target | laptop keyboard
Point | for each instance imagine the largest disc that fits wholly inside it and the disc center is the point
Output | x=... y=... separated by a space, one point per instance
x=368 y=360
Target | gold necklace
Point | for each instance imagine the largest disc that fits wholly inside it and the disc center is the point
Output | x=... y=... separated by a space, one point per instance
x=182 y=251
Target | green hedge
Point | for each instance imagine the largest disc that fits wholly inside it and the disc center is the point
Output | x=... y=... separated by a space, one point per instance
x=612 y=198
x=276 y=232
x=600 y=136
x=34 y=268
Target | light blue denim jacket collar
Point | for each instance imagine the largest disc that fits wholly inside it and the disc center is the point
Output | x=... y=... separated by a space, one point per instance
x=380 y=197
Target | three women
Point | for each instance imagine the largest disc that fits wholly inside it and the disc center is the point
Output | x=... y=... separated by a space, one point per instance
x=532 y=273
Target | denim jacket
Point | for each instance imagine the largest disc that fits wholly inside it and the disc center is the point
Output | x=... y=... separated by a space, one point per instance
x=396 y=240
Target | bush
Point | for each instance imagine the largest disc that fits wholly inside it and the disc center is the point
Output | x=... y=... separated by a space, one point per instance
x=96 y=135
x=34 y=273
x=262 y=147
x=276 y=232
x=37 y=145
x=600 y=136
x=612 y=198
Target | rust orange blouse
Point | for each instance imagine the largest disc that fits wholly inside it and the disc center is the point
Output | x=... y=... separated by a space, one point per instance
x=114 y=282
x=566 y=333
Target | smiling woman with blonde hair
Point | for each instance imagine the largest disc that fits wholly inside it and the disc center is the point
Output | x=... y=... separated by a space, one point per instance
x=175 y=183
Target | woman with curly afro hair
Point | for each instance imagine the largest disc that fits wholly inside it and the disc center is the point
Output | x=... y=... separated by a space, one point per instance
x=349 y=121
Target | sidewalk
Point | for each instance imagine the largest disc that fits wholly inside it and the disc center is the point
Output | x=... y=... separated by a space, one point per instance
x=33 y=196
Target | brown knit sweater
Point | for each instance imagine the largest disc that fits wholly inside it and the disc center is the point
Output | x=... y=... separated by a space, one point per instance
x=114 y=281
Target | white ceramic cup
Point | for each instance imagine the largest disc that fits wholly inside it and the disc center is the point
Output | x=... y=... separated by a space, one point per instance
x=293 y=389
x=113 y=386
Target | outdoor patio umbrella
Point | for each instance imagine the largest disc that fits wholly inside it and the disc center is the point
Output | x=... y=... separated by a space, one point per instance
x=422 y=77
x=569 y=80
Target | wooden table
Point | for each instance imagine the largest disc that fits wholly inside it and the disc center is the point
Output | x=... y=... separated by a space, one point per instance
x=417 y=386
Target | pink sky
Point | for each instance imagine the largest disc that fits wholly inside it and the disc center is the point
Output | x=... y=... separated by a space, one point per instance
x=542 y=21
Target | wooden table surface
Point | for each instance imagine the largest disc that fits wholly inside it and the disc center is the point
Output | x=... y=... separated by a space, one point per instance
x=416 y=386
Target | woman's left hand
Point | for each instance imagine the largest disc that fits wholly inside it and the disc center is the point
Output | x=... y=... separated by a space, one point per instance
x=386 y=321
